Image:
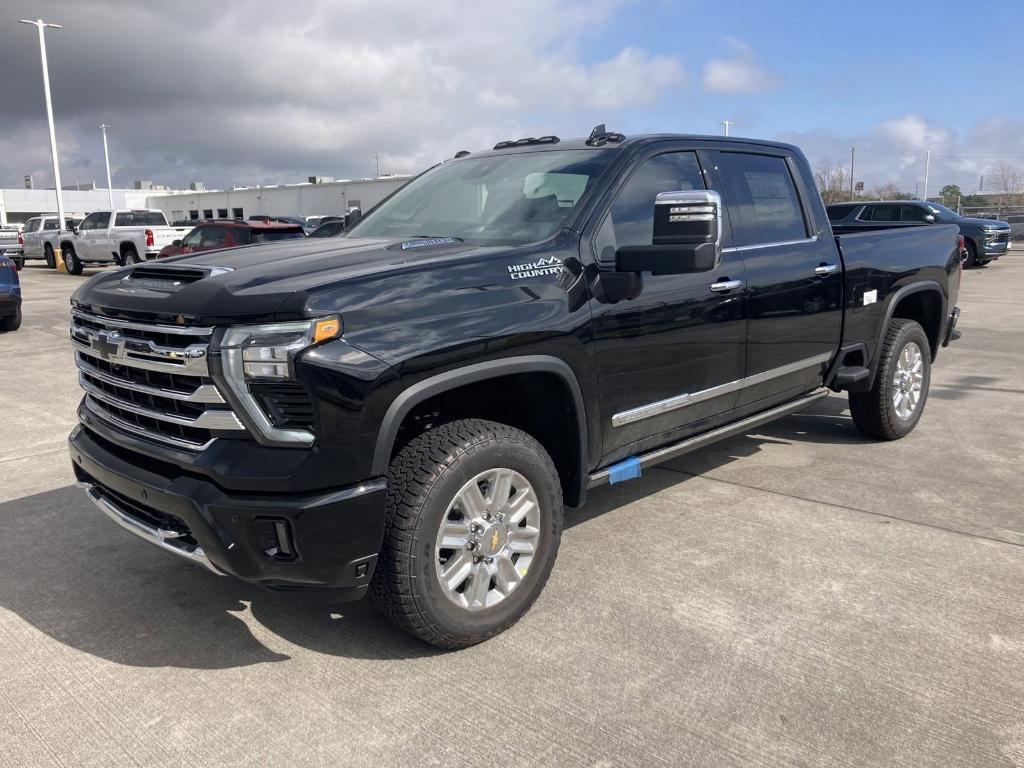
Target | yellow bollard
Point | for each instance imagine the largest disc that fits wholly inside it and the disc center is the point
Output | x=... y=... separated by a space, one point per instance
x=59 y=261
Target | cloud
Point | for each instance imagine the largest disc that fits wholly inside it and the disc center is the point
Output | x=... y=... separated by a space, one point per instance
x=740 y=73
x=893 y=151
x=261 y=92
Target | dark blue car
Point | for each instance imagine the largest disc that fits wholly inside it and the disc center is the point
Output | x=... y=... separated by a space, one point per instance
x=985 y=239
x=10 y=296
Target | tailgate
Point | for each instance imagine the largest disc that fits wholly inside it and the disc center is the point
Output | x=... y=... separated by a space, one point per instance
x=166 y=235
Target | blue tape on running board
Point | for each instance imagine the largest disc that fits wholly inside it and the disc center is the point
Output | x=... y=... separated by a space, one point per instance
x=627 y=469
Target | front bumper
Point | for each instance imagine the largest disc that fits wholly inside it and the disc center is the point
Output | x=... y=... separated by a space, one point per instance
x=324 y=544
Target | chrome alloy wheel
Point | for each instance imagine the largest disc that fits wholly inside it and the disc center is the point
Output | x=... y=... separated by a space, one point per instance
x=908 y=380
x=487 y=539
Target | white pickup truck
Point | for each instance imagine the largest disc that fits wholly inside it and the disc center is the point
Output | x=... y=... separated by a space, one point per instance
x=10 y=244
x=40 y=237
x=122 y=236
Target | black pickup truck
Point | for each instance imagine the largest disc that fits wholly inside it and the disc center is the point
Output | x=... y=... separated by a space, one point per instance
x=406 y=410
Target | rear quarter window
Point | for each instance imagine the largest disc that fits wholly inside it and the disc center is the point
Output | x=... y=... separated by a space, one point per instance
x=140 y=219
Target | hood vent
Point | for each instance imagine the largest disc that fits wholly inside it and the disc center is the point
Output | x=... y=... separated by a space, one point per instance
x=168 y=278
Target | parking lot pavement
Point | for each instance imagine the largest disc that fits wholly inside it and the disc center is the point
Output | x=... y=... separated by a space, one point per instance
x=799 y=595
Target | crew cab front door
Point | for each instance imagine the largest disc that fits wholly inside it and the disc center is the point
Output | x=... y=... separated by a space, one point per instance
x=666 y=356
x=794 y=276
x=92 y=243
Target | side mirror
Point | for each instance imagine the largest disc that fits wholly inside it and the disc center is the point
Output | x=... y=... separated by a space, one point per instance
x=74 y=230
x=176 y=243
x=352 y=215
x=929 y=218
x=687 y=236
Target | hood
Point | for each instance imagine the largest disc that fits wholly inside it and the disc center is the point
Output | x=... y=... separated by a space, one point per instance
x=994 y=223
x=249 y=284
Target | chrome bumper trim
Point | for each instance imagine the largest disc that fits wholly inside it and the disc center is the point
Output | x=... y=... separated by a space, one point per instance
x=163 y=538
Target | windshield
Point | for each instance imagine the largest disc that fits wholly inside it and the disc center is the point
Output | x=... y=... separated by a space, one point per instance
x=515 y=198
x=942 y=211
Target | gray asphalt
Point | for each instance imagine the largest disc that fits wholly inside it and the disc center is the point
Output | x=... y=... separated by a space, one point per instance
x=797 y=596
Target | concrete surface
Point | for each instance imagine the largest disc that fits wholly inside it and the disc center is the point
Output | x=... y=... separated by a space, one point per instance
x=798 y=596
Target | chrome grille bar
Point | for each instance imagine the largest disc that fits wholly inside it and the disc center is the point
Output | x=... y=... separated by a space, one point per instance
x=113 y=322
x=167 y=359
x=207 y=420
x=204 y=393
x=97 y=410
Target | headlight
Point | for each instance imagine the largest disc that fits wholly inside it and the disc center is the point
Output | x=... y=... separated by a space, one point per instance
x=250 y=353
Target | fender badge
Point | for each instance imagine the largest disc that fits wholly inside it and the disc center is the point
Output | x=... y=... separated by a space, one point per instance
x=549 y=266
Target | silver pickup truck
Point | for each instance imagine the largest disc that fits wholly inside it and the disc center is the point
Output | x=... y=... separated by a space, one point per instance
x=10 y=244
x=40 y=237
x=122 y=236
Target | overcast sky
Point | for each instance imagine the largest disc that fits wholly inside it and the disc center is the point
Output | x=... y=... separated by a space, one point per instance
x=264 y=91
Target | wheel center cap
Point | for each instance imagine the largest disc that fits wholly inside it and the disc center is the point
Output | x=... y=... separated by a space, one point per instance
x=492 y=539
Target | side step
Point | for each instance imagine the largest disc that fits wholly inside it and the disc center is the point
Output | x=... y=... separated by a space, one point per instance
x=630 y=468
x=849 y=374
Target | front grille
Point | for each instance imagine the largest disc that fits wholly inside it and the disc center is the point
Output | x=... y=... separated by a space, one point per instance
x=287 y=403
x=150 y=380
x=999 y=237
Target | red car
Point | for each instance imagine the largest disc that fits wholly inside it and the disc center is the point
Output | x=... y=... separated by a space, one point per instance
x=229 y=234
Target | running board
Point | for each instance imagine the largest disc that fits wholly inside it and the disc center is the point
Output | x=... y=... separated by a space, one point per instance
x=630 y=468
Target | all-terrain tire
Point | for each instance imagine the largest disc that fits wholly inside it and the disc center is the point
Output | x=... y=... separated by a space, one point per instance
x=874 y=412
x=424 y=479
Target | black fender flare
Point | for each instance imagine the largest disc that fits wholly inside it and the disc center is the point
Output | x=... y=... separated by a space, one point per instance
x=470 y=374
x=890 y=308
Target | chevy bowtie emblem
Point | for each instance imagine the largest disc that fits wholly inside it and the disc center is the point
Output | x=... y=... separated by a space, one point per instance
x=107 y=343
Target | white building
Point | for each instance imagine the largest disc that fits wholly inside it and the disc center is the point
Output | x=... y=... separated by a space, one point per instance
x=328 y=198
x=19 y=205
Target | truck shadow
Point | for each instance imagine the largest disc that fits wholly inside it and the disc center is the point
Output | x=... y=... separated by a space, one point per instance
x=71 y=574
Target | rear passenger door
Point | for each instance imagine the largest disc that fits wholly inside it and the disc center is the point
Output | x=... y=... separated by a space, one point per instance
x=794 y=279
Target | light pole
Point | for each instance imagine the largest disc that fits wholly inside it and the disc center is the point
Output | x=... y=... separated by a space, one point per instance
x=41 y=25
x=726 y=125
x=106 y=158
x=927 y=163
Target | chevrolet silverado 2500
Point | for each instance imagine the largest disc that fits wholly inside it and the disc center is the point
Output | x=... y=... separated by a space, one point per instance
x=406 y=410
x=117 y=237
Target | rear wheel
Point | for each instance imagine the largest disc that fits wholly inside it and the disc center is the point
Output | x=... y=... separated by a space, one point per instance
x=474 y=519
x=893 y=406
x=72 y=263
x=11 y=322
x=130 y=256
x=51 y=260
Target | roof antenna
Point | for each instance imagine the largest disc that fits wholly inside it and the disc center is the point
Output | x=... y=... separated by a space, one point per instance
x=597 y=133
x=600 y=136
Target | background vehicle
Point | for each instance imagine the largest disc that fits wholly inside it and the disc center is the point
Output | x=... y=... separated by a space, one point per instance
x=329 y=229
x=407 y=410
x=10 y=295
x=11 y=245
x=985 y=239
x=297 y=220
x=230 y=234
x=122 y=237
x=40 y=237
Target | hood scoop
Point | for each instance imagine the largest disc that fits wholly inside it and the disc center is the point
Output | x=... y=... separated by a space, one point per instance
x=169 y=278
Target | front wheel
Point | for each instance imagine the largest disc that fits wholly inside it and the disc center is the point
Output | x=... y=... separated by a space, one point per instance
x=893 y=406
x=19 y=263
x=473 y=523
x=72 y=263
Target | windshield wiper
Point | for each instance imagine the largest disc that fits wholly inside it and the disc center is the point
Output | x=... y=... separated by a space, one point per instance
x=436 y=237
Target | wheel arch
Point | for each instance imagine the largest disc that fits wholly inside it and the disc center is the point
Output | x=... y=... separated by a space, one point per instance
x=465 y=377
x=924 y=302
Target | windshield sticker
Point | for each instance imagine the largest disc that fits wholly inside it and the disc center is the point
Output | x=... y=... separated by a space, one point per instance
x=549 y=266
x=429 y=242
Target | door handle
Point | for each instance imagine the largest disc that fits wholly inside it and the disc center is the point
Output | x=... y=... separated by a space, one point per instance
x=824 y=270
x=724 y=286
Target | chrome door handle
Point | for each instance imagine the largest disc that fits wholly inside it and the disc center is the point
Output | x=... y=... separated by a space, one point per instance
x=824 y=270
x=726 y=285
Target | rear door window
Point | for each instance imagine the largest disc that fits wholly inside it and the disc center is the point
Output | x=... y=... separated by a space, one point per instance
x=761 y=198
x=886 y=212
